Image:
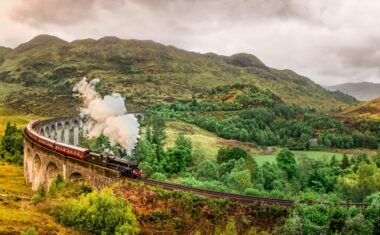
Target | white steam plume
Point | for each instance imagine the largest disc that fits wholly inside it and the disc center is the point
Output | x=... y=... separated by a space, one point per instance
x=107 y=115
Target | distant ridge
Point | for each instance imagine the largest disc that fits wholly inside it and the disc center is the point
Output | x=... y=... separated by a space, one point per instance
x=146 y=73
x=364 y=91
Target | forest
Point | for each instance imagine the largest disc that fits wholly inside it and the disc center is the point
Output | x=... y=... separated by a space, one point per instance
x=268 y=124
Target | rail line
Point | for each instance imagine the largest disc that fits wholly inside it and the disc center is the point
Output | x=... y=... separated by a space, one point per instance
x=238 y=197
x=211 y=193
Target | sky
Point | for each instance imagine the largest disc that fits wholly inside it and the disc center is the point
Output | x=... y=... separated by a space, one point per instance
x=328 y=41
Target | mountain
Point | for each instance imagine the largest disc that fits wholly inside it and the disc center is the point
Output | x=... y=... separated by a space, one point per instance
x=145 y=72
x=365 y=110
x=364 y=91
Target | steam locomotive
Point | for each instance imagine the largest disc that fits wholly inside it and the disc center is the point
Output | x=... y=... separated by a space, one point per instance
x=127 y=168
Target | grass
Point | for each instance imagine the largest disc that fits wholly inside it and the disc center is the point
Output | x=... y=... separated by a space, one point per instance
x=17 y=213
x=365 y=110
x=210 y=143
x=21 y=120
x=262 y=158
x=201 y=138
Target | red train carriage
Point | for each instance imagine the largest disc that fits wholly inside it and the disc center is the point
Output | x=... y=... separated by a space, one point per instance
x=76 y=152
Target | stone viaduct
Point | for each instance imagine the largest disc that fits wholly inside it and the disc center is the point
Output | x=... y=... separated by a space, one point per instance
x=42 y=164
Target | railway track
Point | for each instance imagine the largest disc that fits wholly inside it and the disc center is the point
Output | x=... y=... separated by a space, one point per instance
x=238 y=197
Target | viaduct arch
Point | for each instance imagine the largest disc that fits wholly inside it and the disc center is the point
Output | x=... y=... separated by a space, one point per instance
x=42 y=165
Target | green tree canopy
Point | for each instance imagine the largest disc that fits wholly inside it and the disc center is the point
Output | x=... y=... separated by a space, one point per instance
x=286 y=161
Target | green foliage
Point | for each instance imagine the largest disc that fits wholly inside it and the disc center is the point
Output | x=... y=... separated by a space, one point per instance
x=158 y=135
x=286 y=161
x=230 y=229
x=144 y=151
x=40 y=196
x=98 y=213
x=178 y=157
x=345 y=162
x=320 y=219
x=30 y=231
x=239 y=180
x=225 y=154
x=207 y=170
x=186 y=144
x=281 y=124
x=11 y=145
x=159 y=176
x=211 y=185
x=358 y=185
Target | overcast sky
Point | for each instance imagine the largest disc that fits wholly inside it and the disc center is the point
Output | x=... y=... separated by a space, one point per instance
x=330 y=41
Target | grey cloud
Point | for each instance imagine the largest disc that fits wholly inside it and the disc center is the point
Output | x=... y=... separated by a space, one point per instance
x=59 y=12
x=328 y=41
x=363 y=56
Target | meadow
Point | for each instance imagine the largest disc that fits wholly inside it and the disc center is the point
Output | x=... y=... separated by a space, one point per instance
x=17 y=213
x=209 y=143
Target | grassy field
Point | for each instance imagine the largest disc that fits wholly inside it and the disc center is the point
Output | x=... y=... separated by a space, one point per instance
x=210 y=143
x=207 y=141
x=262 y=158
x=17 y=213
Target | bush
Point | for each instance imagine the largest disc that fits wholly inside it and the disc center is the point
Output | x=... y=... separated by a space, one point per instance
x=30 y=231
x=11 y=145
x=239 y=180
x=357 y=225
x=40 y=196
x=293 y=225
x=159 y=176
x=98 y=213
x=225 y=154
x=207 y=170
x=36 y=199
x=210 y=185
x=255 y=192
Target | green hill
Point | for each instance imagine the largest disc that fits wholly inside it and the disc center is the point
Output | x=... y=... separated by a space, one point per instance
x=145 y=72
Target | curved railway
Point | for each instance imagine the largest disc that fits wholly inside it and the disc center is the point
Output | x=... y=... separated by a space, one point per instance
x=74 y=151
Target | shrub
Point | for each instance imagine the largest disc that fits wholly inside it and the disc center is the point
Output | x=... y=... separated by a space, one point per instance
x=30 y=231
x=40 y=196
x=36 y=199
x=11 y=145
x=255 y=192
x=158 y=176
x=277 y=194
x=207 y=170
x=98 y=213
x=225 y=154
x=358 y=225
x=293 y=225
x=239 y=180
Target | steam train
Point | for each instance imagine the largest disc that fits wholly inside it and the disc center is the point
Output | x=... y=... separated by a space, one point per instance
x=127 y=168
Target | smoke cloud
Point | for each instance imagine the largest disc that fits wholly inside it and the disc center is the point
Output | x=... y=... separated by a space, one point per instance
x=107 y=115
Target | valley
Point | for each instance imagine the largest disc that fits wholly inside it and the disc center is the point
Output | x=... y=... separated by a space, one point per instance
x=224 y=123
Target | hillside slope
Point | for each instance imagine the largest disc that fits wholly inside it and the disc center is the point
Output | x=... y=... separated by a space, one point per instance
x=369 y=109
x=146 y=72
x=363 y=90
